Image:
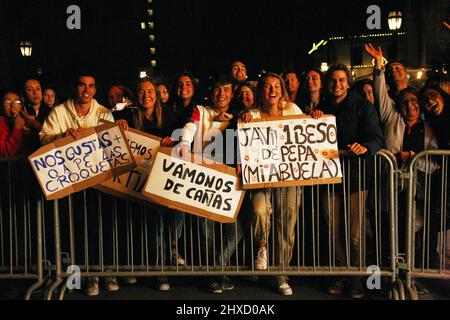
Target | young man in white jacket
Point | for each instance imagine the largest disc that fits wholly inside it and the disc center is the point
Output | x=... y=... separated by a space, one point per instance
x=75 y=115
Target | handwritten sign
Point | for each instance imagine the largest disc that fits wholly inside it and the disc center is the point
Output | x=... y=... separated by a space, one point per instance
x=68 y=165
x=289 y=151
x=131 y=184
x=191 y=185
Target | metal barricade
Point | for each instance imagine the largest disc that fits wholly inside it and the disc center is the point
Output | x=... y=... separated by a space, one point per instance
x=103 y=236
x=427 y=218
x=21 y=224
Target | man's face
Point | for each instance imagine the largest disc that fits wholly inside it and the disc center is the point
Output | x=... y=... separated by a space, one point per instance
x=11 y=105
x=33 y=91
x=338 y=84
x=409 y=107
x=291 y=82
x=85 y=90
x=146 y=95
x=185 y=88
x=221 y=95
x=433 y=102
x=397 y=72
x=238 y=71
x=313 y=81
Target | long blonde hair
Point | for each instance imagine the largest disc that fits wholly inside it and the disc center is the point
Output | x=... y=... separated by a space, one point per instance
x=284 y=102
x=138 y=119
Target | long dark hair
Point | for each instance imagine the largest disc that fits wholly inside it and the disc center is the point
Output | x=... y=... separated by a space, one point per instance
x=175 y=101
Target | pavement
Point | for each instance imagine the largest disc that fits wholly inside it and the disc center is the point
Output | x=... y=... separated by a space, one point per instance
x=196 y=288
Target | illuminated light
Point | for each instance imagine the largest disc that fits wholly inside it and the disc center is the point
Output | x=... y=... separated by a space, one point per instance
x=383 y=62
x=153 y=63
x=26 y=48
x=395 y=20
x=151 y=25
x=324 y=67
x=143 y=74
x=150 y=12
x=153 y=50
x=316 y=46
x=142 y=25
x=419 y=74
x=151 y=37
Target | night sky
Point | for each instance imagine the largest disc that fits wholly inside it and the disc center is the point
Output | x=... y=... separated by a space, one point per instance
x=199 y=35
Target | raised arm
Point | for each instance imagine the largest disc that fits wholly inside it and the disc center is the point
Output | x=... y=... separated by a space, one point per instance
x=383 y=102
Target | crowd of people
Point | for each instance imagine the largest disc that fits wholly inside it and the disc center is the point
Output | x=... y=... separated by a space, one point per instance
x=371 y=114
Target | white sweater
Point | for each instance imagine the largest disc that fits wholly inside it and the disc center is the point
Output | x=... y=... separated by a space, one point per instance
x=64 y=116
x=202 y=129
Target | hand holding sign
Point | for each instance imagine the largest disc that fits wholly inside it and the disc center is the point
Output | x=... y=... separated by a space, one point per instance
x=246 y=117
x=71 y=132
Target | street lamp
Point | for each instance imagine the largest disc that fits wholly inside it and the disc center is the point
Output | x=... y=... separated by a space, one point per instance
x=395 y=22
x=26 y=48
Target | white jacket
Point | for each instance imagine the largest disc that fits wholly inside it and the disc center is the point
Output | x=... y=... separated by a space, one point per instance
x=64 y=116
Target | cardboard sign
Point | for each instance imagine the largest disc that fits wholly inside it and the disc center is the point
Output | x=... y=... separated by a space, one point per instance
x=131 y=184
x=191 y=185
x=68 y=165
x=289 y=151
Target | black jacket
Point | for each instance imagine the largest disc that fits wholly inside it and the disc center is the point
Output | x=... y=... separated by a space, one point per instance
x=356 y=121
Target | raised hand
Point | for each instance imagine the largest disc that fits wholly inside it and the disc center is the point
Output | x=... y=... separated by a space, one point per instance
x=375 y=53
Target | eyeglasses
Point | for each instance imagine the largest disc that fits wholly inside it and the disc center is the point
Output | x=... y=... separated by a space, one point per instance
x=12 y=102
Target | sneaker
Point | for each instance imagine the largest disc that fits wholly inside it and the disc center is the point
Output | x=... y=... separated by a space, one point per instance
x=284 y=288
x=129 y=280
x=163 y=283
x=227 y=284
x=92 y=288
x=111 y=284
x=337 y=287
x=177 y=259
x=261 y=259
x=215 y=286
x=420 y=288
x=356 y=289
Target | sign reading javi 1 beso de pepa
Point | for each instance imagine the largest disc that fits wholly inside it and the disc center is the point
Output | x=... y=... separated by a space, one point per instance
x=68 y=165
x=131 y=184
x=194 y=186
x=289 y=151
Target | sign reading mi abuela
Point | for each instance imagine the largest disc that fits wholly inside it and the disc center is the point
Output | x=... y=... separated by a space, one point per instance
x=289 y=151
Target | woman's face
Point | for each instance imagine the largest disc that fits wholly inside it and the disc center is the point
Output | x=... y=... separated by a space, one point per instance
x=185 y=88
x=246 y=96
x=115 y=96
x=272 y=91
x=146 y=93
x=368 y=93
x=163 y=93
x=313 y=81
x=409 y=107
x=49 y=97
x=11 y=105
x=433 y=102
